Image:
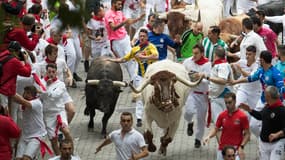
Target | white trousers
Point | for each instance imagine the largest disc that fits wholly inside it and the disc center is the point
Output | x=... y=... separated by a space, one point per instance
x=70 y=53
x=217 y=106
x=227 y=7
x=123 y=47
x=139 y=104
x=197 y=103
x=78 y=51
x=248 y=98
x=272 y=151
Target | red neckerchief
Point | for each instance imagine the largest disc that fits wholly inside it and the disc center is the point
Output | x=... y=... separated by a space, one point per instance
x=276 y=104
x=97 y=18
x=143 y=44
x=219 y=61
x=37 y=17
x=51 y=41
x=202 y=60
x=35 y=1
x=49 y=61
x=22 y=12
x=167 y=7
x=46 y=78
x=38 y=81
x=149 y=26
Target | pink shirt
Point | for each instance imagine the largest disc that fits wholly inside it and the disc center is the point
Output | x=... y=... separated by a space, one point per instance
x=269 y=38
x=115 y=17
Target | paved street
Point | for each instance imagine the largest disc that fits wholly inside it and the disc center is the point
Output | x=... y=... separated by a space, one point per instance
x=181 y=148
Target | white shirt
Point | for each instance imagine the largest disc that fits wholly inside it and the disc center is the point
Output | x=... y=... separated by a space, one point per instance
x=40 y=51
x=72 y=158
x=252 y=38
x=97 y=27
x=253 y=87
x=52 y=98
x=133 y=141
x=61 y=68
x=33 y=124
x=190 y=65
x=223 y=71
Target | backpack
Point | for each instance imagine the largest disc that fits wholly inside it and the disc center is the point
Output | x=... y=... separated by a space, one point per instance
x=2 y=62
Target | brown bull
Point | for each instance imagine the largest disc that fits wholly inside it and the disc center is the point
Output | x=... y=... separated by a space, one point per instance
x=177 y=23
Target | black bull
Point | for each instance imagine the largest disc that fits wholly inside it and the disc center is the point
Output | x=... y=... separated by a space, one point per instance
x=273 y=8
x=102 y=96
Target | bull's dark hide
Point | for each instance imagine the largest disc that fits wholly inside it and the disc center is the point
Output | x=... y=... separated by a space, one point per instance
x=104 y=95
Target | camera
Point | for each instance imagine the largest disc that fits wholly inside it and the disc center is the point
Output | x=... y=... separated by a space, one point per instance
x=21 y=55
x=37 y=27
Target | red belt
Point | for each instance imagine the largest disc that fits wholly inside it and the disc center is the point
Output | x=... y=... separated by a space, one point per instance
x=209 y=117
x=44 y=147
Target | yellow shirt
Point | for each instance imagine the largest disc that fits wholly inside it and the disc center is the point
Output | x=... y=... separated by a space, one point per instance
x=150 y=49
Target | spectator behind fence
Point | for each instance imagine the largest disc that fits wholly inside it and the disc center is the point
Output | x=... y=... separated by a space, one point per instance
x=20 y=33
x=10 y=70
x=9 y=129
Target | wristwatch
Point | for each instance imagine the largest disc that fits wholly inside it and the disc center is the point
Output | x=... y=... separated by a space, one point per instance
x=208 y=77
x=242 y=146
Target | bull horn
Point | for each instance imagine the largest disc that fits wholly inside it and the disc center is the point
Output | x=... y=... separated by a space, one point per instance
x=187 y=18
x=162 y=16
x=141 y=87
x=93 y=82
x=120 y=84
x=189 y=83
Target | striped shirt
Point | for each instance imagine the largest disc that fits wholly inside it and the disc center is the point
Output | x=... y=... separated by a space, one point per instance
x=210 y=47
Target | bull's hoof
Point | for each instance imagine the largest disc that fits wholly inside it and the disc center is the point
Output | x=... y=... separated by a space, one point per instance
x=151 y=147
x=162 y=150
x=90 y=125
x=86 y=111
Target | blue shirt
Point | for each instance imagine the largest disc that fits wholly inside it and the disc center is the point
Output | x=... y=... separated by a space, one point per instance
x=270 y=77
x=161 y=41
x=281 y=67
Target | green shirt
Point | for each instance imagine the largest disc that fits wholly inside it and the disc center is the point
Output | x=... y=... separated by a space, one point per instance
x=210 y=47
x=188 y=41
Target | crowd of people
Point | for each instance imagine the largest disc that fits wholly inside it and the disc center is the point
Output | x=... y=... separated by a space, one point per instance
x=39 y=59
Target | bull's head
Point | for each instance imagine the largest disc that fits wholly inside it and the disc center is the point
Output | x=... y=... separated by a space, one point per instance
x=164 y=96
x=106 y=90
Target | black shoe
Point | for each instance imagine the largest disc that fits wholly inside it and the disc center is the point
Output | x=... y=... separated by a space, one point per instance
x=190 y=129
x=139 y=122
x=197 y=143
x=76 y=77
x=74 y=85
x=86 y=65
